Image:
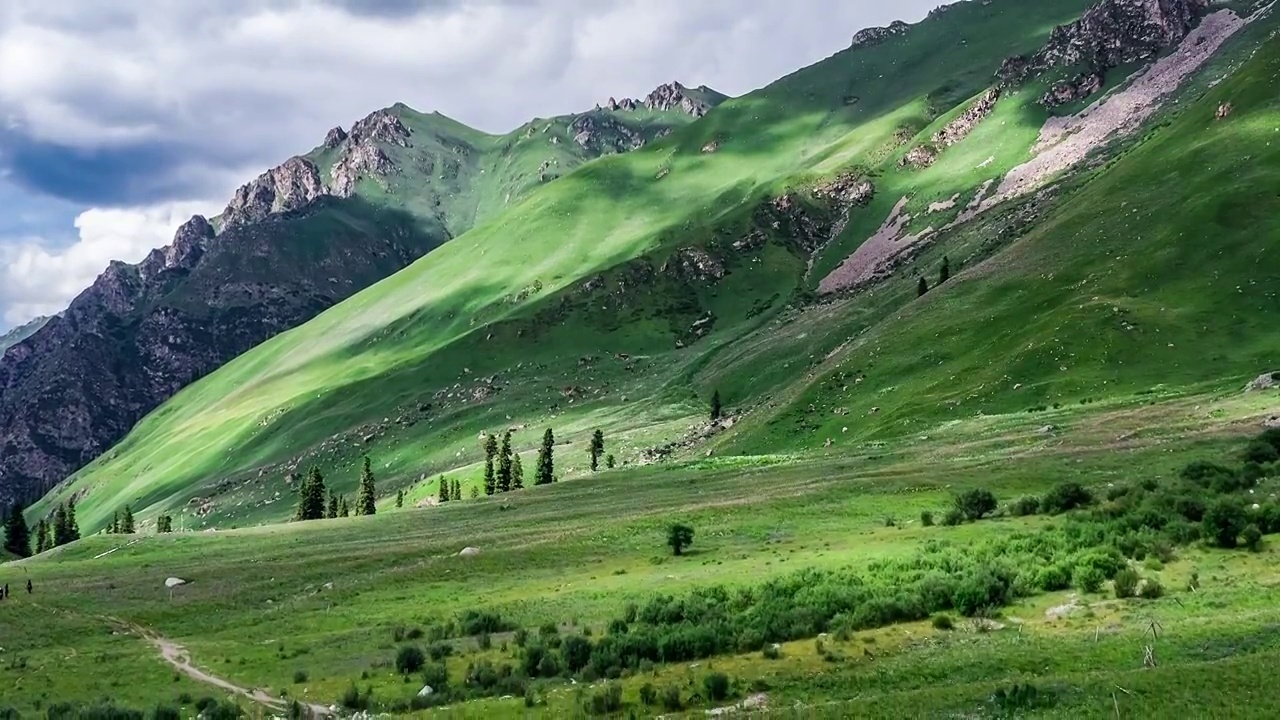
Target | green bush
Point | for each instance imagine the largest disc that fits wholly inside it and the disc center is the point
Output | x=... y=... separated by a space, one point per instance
x=436 y=674
x=440 y=650
x=1053 y=577
x=648 y=694
x=671 y=701
x=409 y=659
x=1251 y=537
x=576 y=652
x=1261 y=452
x=1088 y=578
x=1126 y=583
x=605 y=700
x=926 y=518
x=299 y=677
x=953 y=517
x=943 y=622
x=521 y=637
x=1023 y=506
x=772 y=651
x=1224 y=521
x=975 y=504
x=1065 y=497
x=1151 y=589
x=717 y=686
x=353 y=699
x=161 y=712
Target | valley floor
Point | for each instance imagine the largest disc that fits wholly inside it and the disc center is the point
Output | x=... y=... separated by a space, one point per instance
x=307 y=610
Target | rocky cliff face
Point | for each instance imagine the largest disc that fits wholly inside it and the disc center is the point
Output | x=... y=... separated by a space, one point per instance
x=20 y=333
x=142 y=332
x=873 y=36
x=1109 y=34
x=672 y=96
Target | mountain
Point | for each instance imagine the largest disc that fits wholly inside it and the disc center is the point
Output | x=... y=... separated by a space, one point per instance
x=20 y=333
x=772 y=250
x=296 y=240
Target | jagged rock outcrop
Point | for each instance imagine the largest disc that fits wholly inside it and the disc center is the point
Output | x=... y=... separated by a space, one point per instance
x=1109 y=34
x=142 y=332
x=292 y=185
x=875 y=35
x=381 y=126
x=600 y=133
x=671 y=96
x=334 y=138
x=20 y=333
x=959 y=128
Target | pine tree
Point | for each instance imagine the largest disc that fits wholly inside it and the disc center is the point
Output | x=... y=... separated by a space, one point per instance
x=716 y=408
x=43 y=541
x=399 y=499
x=945 y=273
x=164 y=524
x=114 y=527
x=311 y=505
x=445 y=495
x=61 y=531
x=17 y=536
x=126 y=521
x=455 y=492
x=365 y=502
x=332 y=511
x=517 y=473
x=546 y=459
x=504 y=463
x=73 y=527
x=609 y=461
x=343 y=509
x=597 y=449
x=490 y=450
x=922 y=287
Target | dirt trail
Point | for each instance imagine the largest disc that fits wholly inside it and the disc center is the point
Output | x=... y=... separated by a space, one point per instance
x=178 y=657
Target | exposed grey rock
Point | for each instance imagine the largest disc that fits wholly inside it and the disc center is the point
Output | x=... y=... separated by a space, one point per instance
x=959 y=128
x=875 y=35
x=290 y=186
x=360 y=158
x=334 y=138
x=670 y=96
x=1265 y=381
x=381 y=126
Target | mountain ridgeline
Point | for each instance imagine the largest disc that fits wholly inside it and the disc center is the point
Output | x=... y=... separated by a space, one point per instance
x=972 y=215
x=301 y=237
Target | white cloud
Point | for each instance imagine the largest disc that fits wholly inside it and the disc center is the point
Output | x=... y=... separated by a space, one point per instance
x=37 y=280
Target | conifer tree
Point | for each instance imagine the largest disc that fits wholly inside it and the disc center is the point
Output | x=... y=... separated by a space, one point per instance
x=399 y=499
x=343 y=509
x=504 y=463
x=945 y=273
x=114 y=527
x=445 y=495
x=597 y=449
x=73 y=527
x=922 y=287
x=517 y=473
x=311 y=504
x=17 y=536
x=490 y=450
x=126 y=521
x=61 y=531
x=164 y=524
x=43 y=541
x=546 y=459
x=716 y=408
x=609 y=461
x=332 y=511
x=455 y=492
x=365 y=502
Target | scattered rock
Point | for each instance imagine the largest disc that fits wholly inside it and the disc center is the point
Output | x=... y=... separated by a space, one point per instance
x=469 y=552
x=1265 y=381
x=426 y=691
x=174 y=582
x=1224 y=110
x=873 y=36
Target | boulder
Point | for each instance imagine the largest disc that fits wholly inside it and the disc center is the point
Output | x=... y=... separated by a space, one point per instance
x=469 y=552
x=174 y=582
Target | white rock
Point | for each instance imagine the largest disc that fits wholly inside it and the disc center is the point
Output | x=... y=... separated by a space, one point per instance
x=174 y=582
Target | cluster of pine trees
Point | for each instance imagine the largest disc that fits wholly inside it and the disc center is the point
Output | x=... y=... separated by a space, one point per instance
x=508 y=474
x=316 y=501
x=121 y=523
x=449 y=490
x=943 y=275
x=50 y=533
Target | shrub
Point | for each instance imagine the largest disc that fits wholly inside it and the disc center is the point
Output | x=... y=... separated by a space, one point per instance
x=1126 y=583
x=1251 y=536
x=953 y=517
x=475 y=622
x=547 y=629
x=943 y=622
x=617 y=626
x=1151 y=589
x=409 y=659
x=299 y=677
x=1088 y=578
x=485 y=641
x=161 y=712
x=440 y=650
x=353 y=699
x=648 y=694
x=521 y=637
x=1023 y=506
x=975 y=504
x=184 y=699
x=576 y=651
x=1224 y=521
x=1261 y=452
x=717 y=686
x=436 y=674
x=772 y=651
x=606 y=700
x=1053 y=577
x=671 y=698
x=926 y=518
x=1204 y=473
x=679 y=537
x=981 y=589
x=1064 y=497
x=1020 y=697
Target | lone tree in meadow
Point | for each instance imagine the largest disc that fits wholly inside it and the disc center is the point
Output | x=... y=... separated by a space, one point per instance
x=922 y=287
x=126 y=521
x=597 y=449
x=399 y=499
x=679 y=537
x=505 y=467
x=546 y=459
x=490 y=451
x=945 y=273
x=445 y=495
x=716 y=409
x=311 y=504
x=368 y=491
x=17 y=536
x=975 y=504
x=43 y=541
x=517 y=473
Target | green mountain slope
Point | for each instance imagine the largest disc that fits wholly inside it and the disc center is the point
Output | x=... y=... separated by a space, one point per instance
x=622 y=293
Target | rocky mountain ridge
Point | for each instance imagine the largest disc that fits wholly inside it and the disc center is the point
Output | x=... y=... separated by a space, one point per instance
x=669 y=97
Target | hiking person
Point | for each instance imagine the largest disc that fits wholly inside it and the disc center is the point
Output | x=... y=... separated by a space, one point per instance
x=28 y=586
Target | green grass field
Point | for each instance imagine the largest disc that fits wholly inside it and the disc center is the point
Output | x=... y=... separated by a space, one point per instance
x=1100 y=334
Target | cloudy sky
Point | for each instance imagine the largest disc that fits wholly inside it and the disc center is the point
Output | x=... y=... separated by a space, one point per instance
x=121 y=118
